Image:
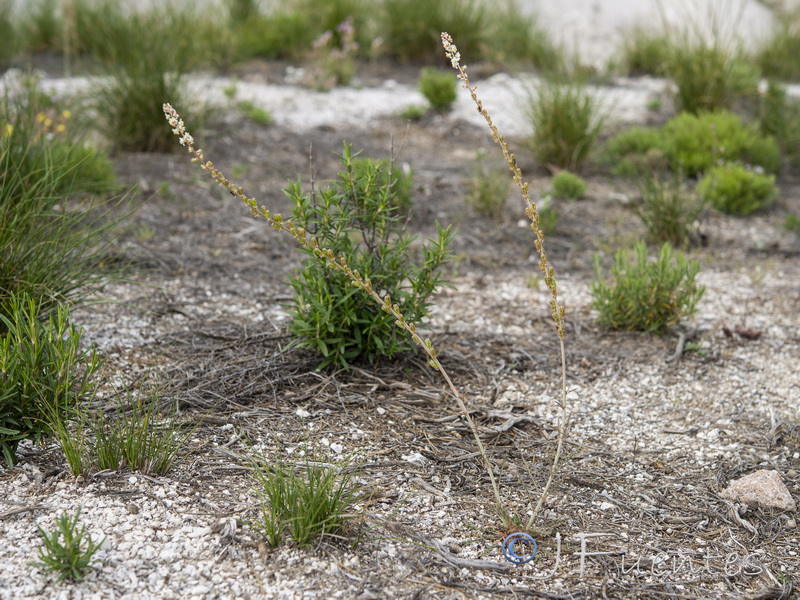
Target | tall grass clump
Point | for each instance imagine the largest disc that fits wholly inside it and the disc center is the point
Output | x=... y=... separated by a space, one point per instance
x=567 y=119
x=645 y=295
x=144 y=62
x=339 y=264
x=488 y=190
x=779 y=55
x=45 y=372
x=644 y=52
x=410 y=28
x=357 y=218
x=305 y=501
x=709 y=75
x=138 y=435
x=9 y=34
x=51 y=248
x=779 y=117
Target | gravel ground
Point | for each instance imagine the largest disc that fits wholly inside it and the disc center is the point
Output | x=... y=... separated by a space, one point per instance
x=651 y=441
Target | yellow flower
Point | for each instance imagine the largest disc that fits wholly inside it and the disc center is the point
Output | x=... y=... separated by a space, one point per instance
x=61 y=128
x=41 y=117
x=66 y=114
x=8 y=130
x=48 y=122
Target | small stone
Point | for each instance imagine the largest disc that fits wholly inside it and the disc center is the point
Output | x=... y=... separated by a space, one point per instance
x=132 y=508
x=762 y=489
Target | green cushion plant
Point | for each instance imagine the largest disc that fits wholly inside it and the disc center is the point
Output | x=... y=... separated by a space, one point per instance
x=736 y=190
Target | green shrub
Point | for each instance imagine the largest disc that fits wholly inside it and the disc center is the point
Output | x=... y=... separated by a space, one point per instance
x=45 y=372
x=792 y=223
x=635 y=151
x=568 y=185
x=488 y=192
x=668 y=209
x=566 y=121
x=646 y=295
x=66 y=551
x=356 y=218
x=708 y=76
x=695 y=143
x=400 y=180
x=691 y=144
x=314 y=502
x=438 y=87
x=736 y=190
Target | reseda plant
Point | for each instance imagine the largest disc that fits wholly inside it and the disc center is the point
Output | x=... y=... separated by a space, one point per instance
x=339 y=264
x=557 y=310
x=365 y=284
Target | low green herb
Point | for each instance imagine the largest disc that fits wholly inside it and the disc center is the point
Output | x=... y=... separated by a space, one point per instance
x=646 y=295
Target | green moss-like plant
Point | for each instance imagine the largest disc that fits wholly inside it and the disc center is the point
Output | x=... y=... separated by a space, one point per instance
x=708 y=75
x=691 y=144
x=736 y=190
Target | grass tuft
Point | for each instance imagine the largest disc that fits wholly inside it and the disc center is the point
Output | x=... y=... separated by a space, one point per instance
x=567 y=120
x=306 y=501
x=668 y=209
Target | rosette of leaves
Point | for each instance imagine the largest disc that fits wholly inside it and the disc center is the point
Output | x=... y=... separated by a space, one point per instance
x=357 y=217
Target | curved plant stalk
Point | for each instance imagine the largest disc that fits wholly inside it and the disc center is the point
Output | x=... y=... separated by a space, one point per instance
x=340 y=264
x=556 y=309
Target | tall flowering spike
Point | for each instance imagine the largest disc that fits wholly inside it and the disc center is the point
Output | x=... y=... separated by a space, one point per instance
x=452 y=53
